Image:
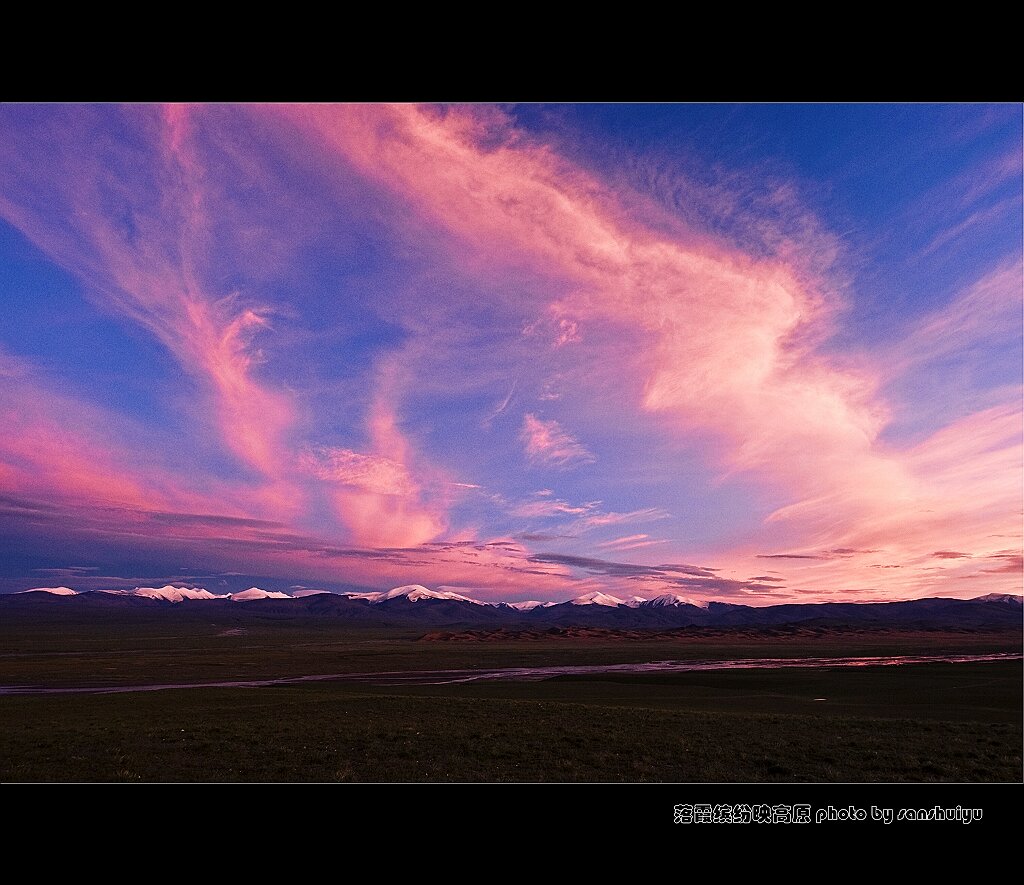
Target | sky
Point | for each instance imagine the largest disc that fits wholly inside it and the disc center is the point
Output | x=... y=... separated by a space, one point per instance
x=748 y=353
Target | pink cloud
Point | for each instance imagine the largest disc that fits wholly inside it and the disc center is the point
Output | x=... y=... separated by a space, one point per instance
x=1009 y=207
x=987 y=312
x=153 y=268
x=371 y=473
x=639 y=545
x=727 y=340
x=959 y=498
x=631 y=542
x=720 y=351
x=547 y=443
x=601 y=519
x=724 y=347
x=568 y=332
x=550 y=507
x=626 y=539
x=1000 y=169
x=385 y=520
x=72 y=453
x=141 y=228
x=379 y=500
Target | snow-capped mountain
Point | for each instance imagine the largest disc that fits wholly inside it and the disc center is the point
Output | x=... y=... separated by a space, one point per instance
x=306 y=591
x=56 y=591
x=673 y=599
x=168 y=593
x=529 y=605
x=597 y=598
x=257 y=593
x=414 y=593
x=1000 y=597
x=442 y=608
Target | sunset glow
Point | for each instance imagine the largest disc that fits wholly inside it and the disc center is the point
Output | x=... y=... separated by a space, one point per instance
x=750 y=354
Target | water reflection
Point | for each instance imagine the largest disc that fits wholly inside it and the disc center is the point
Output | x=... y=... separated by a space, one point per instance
x=529 y=674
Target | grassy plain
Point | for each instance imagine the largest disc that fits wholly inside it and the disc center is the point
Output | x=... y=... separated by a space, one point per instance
x=927 y=722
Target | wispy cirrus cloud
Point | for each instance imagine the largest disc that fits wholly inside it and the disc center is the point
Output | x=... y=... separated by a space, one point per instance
x=604 y=519
x=718 y=327
x=546 y=442
x=501 y=407
x=549 y=507
x=987 y=313
x=625 y=539
x=378 y=499
x=57 y=448
x=979 y=219
x=484 y=273
x=136 y=227
x=687 y=323
x=1008 y=562
x=148 y=228
x=631 y=542
x=971 y=203
x=788 y=556
x=372 y=473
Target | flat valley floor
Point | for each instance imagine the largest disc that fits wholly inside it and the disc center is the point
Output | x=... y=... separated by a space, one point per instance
x=919 y=722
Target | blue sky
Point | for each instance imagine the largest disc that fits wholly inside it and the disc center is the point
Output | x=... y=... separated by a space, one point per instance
x=748 y=352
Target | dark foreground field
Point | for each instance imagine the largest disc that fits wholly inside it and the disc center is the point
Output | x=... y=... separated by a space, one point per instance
x=928 y=722
x=921 y=723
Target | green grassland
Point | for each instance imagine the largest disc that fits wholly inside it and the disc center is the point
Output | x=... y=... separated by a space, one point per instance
x=919 y=723
x=927 y=722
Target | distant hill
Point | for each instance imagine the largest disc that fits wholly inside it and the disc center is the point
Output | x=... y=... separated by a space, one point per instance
x=414 y=605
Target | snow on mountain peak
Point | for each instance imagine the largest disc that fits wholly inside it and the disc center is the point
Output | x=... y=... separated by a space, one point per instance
x=674 y=599
x=257 y=593
x=414 y=593
x=170 y=593
x=1000 y=597
x=56 y=591
x=597 y=598
x=529 y=605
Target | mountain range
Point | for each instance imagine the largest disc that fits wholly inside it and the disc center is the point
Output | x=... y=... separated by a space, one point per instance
x=417 y=605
